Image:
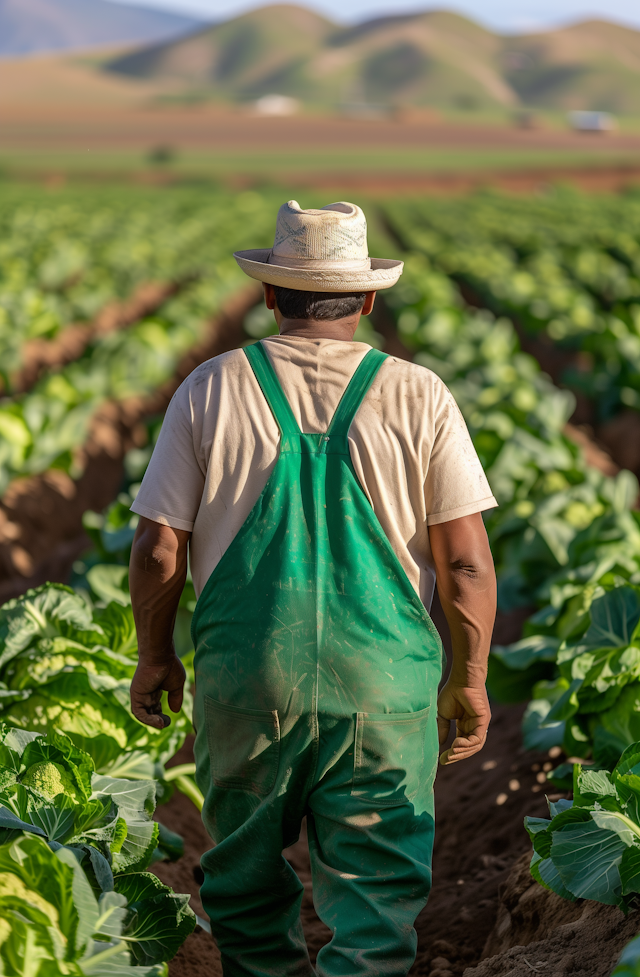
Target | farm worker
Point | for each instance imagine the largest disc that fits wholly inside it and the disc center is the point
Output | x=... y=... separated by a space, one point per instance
x=321 y=486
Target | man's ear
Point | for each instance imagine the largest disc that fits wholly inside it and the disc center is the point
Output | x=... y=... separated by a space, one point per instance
x=368 y=303
x=269 y=295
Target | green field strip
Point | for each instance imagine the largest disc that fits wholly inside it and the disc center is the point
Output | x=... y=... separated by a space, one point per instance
x=275 y=166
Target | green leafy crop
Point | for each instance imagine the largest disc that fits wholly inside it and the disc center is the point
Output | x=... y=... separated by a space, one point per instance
x=73 y=849
x=589 y=701
x=67 y=667
x=563 y=264
x=49 y=787
x=53 y=923
x=590 y=849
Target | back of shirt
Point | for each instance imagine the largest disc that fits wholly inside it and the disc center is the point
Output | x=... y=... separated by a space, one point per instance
x=219 y=443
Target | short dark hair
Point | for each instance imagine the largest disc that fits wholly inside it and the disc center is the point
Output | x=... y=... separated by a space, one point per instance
x=323 y=306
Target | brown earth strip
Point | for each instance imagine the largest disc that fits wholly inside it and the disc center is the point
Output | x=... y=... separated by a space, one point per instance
x=41 y=516
x=379 y=182
x=38 y=125
x=598 y=178
x=41 y=355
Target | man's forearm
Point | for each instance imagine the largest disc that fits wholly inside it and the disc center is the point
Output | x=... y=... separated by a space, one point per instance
x=467 y=590
x=157 y=573
x=468 y=598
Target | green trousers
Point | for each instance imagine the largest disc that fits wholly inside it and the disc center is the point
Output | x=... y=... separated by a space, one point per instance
x=370 y=828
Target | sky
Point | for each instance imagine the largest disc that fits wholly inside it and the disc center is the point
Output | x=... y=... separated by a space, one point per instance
x=500 y=15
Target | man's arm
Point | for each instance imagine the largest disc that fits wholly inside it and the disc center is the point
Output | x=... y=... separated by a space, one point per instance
x=157 y=572
x=467 y=589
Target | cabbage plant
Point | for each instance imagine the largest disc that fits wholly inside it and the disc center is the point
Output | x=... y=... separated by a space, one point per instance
x=589 y=703
x=52 y=922
x=66 y=666
x=73 y=849
x=48 y=787
x=590 y=848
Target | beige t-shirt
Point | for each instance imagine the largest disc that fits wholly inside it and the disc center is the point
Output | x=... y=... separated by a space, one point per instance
x=219 y=443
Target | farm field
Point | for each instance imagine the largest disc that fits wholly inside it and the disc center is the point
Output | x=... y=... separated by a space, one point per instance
x=107 y=300
x=62 y=117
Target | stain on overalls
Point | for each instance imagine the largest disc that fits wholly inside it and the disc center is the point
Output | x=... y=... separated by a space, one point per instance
x=317 y=669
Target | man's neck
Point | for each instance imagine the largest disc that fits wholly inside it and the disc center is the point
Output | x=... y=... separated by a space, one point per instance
x=340 y=329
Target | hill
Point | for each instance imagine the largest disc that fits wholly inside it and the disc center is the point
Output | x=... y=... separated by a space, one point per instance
x=435 y=58
x=270 y=49
x=29 y=26
x=593 y=64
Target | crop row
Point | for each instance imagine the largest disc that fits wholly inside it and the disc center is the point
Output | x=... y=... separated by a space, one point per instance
x=79 y=781
x=564 y=266
x=64 y=263
x=44 y=427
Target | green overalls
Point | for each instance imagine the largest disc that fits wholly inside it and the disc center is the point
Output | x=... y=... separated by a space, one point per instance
x=317 y=669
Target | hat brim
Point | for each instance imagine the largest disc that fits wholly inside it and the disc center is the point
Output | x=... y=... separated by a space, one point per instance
x=384 y=273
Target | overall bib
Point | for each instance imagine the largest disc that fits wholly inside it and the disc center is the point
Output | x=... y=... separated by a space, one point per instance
x=317 y=668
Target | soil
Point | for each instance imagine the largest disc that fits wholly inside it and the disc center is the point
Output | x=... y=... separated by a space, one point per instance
x=41 y=516
x=538 y=932
x=37 y=126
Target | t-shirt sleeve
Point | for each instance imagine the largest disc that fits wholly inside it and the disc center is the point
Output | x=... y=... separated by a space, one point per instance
x=455 y=484
x=173 y=483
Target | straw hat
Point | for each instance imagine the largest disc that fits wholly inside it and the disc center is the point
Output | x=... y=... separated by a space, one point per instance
x=320 y=251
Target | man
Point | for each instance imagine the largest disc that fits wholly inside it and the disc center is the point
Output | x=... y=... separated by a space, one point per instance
x=322 y=487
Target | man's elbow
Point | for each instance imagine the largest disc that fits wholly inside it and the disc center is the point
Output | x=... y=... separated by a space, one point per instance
x=158 y=550
x=473 y=569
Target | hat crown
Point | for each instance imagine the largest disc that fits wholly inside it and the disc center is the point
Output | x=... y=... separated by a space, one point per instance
x=337 y=232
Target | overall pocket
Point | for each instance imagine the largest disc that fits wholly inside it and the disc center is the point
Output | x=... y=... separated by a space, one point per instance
x=244 y=746
x=391 y=759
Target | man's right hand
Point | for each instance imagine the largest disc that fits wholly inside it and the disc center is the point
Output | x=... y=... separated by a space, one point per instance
x=147 y=686
x=469 y=709
x=157 y=572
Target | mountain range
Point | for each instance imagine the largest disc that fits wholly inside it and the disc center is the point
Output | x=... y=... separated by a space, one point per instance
x=435 y=58
x=29 y=26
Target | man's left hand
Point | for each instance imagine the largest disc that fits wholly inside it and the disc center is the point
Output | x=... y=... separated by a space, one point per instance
x=469 y=709
x=147 y=686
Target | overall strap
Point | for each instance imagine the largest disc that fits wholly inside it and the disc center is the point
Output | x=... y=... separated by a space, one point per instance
x=354 y=394
x=270 y=386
